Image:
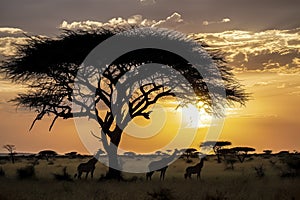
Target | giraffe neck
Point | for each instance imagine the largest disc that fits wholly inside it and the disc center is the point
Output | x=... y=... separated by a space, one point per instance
x=171 y=157
x=201 y=161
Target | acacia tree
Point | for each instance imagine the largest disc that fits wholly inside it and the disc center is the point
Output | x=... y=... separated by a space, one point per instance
x=11 y=149
x=242 y=152
x=189 y=152
x=49 y=66
x=216 y=146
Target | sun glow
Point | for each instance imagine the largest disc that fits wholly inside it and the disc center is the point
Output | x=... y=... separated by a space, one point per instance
x=195 y=116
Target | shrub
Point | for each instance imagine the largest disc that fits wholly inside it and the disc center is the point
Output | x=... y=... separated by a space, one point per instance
x=26 y=172
x=218 y=196
x=292 y=166
x=260 y=171
x=64 y=176
x=161 y=194
x=50 y=163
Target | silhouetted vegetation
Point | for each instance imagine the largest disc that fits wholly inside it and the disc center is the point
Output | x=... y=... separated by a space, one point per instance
x=216 y=184
x=242 y=152
x=48 y=67
x=129 y=154
x=216 y=146
x=260 y=171
x=11 y=149
x=46 y=154
x=71 y=155
x=188 y=153
x=161 y=194
x=64 y=176
x=291 y=166
x=27 y=172
x=217 y=196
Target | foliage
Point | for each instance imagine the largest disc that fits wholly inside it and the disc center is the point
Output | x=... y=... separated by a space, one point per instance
x=48 y=67
x=27 y=172
x=217 y=196
x=216 y=146
x=242 y=152
x=267 y=151
x=129 y=154
x=260 y=171
x=64 y=176
x=234 y=185
x=72 y=154
x=292 y=164
x=11 y=149
x=161 y=194
x=47 y=154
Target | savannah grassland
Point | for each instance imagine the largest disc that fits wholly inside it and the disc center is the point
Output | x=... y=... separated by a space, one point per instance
x=217 y=182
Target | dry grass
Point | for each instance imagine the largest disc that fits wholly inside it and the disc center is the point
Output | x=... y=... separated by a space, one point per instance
x=217 y=183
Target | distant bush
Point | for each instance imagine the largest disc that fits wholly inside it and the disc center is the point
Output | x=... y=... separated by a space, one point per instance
x=64 y=176
x=260 y=171
x=249 y=159
x=2 y=173
x=217 y=196
x=50 y=163
x=26 y=172
x=292 y=168
x=161 y=194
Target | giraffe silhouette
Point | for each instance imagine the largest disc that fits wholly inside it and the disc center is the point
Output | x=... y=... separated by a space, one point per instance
x=160 y=166
x=88 y=166
x=195 y=169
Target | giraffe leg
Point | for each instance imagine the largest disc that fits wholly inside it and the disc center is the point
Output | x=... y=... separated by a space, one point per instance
x=79 y=174
x=149 y=175
x=92 y=174
x=162 y=174
x=86 y=175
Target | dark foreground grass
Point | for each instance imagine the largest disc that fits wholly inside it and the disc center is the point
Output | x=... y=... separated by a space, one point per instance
x=169 y=189
x=216 y=184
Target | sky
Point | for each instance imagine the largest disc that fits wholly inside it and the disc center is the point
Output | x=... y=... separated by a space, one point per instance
x=260 y=40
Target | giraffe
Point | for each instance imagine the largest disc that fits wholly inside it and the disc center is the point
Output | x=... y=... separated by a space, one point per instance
x=164 y=162
x=195 y=169
x=88 y=166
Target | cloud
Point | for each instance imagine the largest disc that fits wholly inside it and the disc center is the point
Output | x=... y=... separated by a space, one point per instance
x=172 y=21
x=270 y=50
x=9 y=30
x=224 y=20
x=147 y=2
x=8 y=45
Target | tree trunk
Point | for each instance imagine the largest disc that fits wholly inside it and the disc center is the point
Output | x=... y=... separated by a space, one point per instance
x=114 y=166
x=12 y=158
x=114 y=171
x=219 y=157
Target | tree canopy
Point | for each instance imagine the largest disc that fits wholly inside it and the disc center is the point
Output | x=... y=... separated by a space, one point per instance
x=49 y=68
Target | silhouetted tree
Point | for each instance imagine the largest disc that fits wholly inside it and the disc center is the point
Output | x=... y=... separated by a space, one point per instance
x=11 y=149
x=48 y=66
x=242 y=152
x=47 y=154
x=129 y=154
x=72 y=154
x=267 y=152
x=158 y=153
x=188 y=152
x=216 y=146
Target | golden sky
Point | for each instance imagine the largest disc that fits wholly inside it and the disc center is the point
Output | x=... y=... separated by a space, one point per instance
x=265 y=58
